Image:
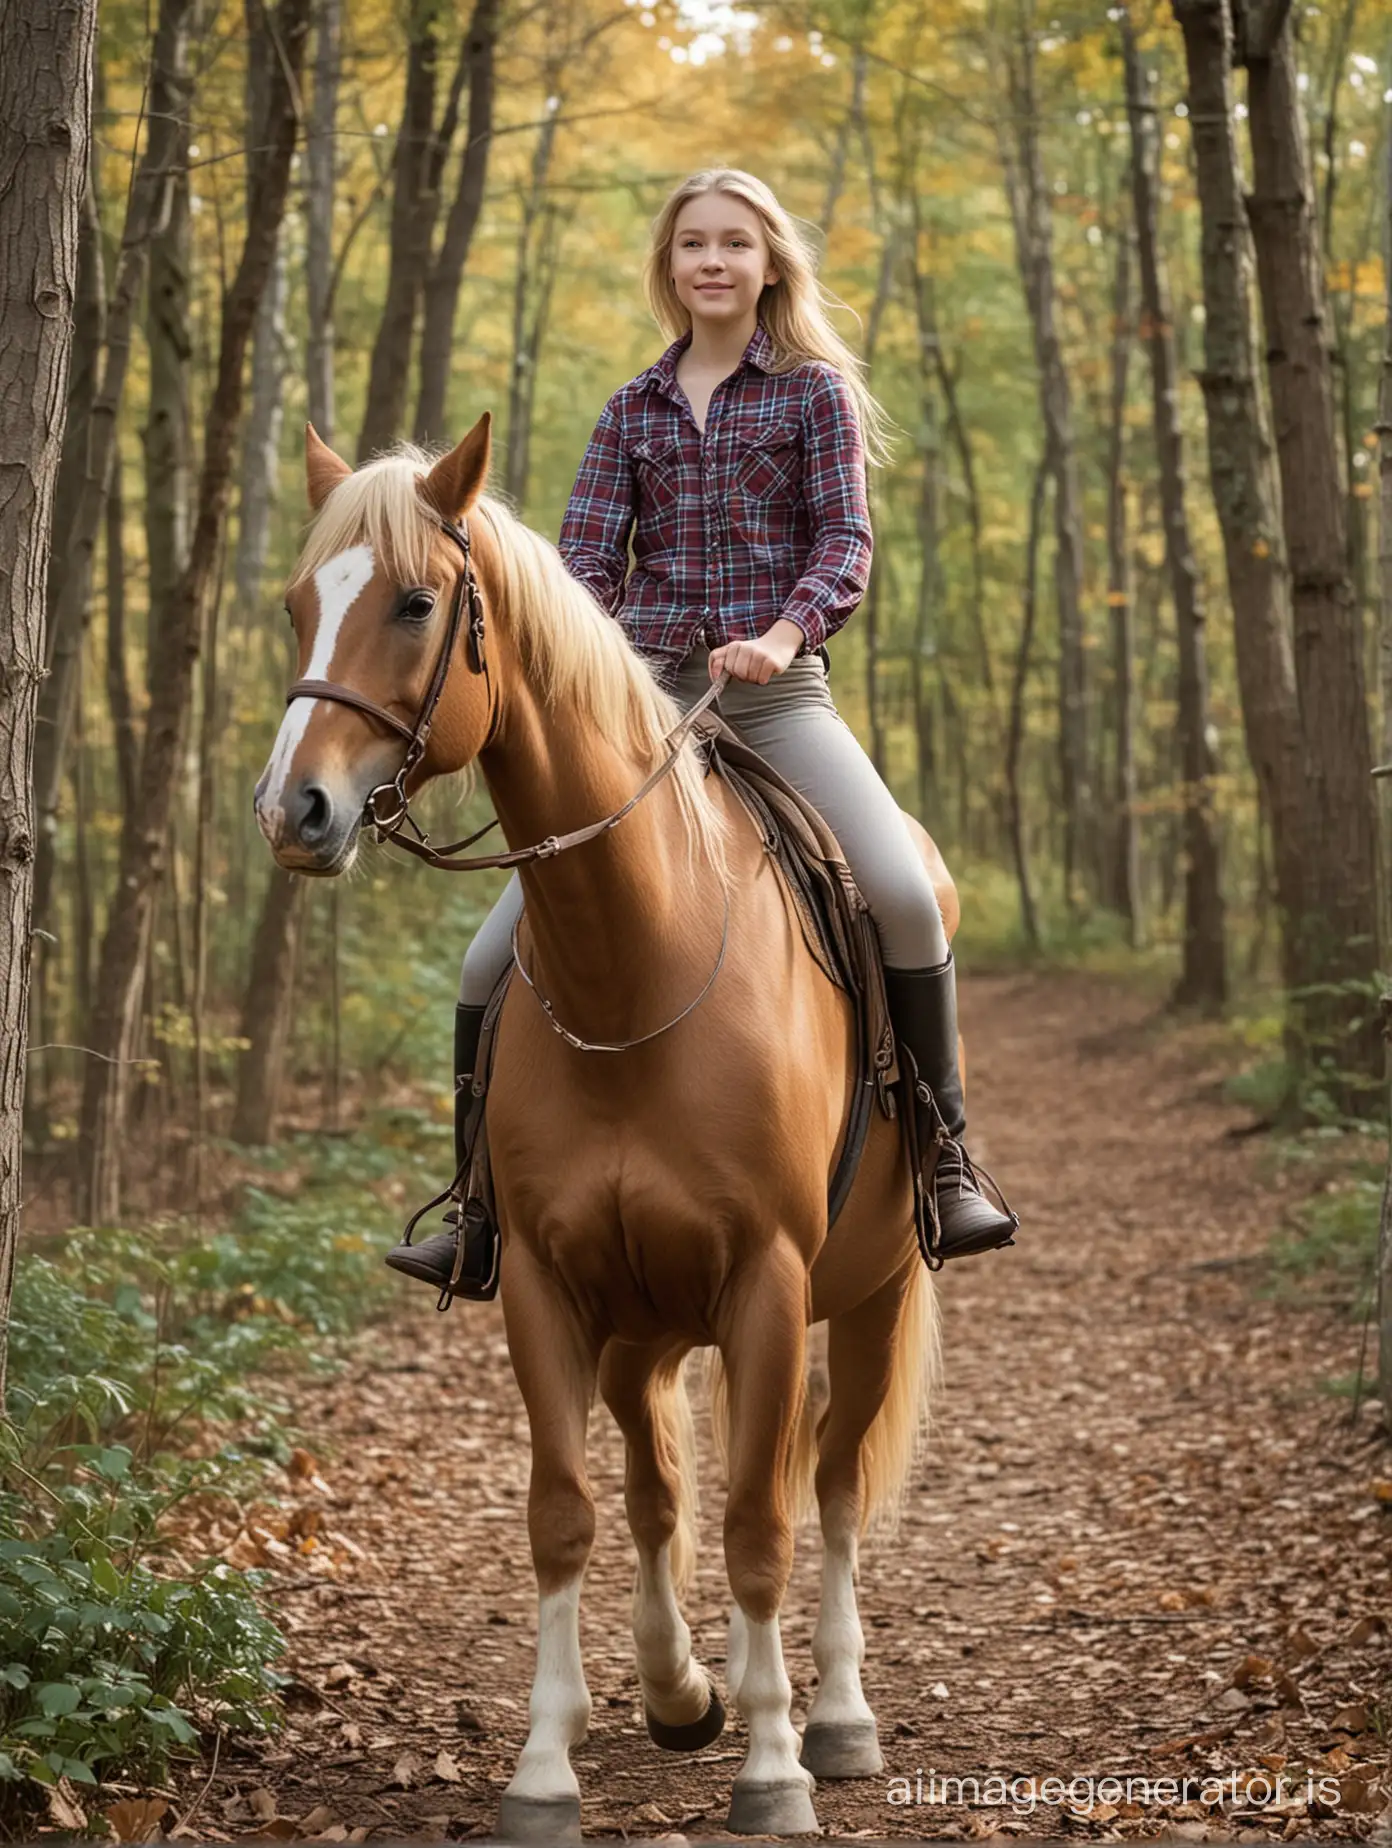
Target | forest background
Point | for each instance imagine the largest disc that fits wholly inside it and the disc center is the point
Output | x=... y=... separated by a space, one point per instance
x=1121 y=650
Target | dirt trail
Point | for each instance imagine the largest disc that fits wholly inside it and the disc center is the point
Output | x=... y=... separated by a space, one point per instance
x=1137 y=1493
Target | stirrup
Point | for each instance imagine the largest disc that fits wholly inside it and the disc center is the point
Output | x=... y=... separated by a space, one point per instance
x=474 y=1235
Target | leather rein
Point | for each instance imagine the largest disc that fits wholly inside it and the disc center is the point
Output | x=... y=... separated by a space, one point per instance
x=390 y=821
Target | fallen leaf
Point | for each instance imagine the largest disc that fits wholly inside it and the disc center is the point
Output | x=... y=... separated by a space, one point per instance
x=1366 y=1628
x=446 y=1769
x=63 y=1807
x=1359 y=1794
x=352 y=1735
x=318 y=1819
x=1253 y=1668
x=1350 y=1720
x=406 y=1770
x=1382 y=1490
x=649 y=1812
x=302 y=1463
x=939 y=1690
x=340 y=1675
x=135 y=1819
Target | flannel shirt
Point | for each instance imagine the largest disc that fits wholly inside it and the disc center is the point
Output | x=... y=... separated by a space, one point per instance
x=764 y=515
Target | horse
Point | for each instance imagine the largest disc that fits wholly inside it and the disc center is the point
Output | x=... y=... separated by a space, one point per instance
x=665 y=1198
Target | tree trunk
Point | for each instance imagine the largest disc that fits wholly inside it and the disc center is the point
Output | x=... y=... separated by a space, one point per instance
x=1015 y=730
x=1203 y=981
x=1239 y=455
x=1384 y=432
x=319 y=213
x=266 y=1010
x=1028 y=195
x=447 y=271
x=1337 y=938
x=58 y=694
x=412 y=219
x=532 y=278
x=45 y=125
x=1125 y=836
x=118 y=692
x=143 y=840
x=170 y=342
x=144 y=211
x=270 y=977
x=261 y=445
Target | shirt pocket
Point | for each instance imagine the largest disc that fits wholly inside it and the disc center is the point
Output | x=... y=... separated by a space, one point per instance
x=768 y=463
x=657 y=464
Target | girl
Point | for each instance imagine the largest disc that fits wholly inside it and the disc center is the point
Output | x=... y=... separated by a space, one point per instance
x=736 y=465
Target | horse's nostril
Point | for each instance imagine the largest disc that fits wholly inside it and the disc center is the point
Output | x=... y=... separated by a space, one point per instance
x=316 y=813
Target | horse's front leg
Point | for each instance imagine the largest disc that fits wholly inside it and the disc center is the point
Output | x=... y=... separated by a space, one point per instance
x=644 y=1389
x=555 y=1361
x=762 y=1347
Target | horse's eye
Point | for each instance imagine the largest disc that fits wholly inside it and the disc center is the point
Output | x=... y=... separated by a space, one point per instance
x=418 y=605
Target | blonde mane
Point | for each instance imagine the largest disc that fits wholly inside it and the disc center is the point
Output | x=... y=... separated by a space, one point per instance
x=573 y=652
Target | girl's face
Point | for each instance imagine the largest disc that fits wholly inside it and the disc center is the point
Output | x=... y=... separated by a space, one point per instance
x=720 y=259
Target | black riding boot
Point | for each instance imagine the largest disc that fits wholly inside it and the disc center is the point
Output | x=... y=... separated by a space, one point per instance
x=923 y=1012
x=432 y=1259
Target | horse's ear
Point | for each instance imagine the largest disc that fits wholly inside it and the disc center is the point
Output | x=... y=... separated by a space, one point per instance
x=456 y=481
x=323 y=469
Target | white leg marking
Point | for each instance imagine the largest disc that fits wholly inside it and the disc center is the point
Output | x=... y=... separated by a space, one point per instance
x=674 y=1688
x=838 y=1642
x=736 y=1652
x=339 y=584
x=764 y=1700
x=560 y=1702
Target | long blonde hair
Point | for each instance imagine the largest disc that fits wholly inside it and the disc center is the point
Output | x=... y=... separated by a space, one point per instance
x=793 y=310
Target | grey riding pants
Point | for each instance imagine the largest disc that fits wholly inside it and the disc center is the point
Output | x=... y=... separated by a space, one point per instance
x=793 y=722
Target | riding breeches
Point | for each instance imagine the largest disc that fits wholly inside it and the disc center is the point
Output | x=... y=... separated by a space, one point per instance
x=793 y=722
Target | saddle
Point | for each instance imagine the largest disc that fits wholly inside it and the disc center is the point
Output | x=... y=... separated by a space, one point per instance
x=839 y=933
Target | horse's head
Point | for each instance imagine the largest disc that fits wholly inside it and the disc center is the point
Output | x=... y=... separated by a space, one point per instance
x=371 y=602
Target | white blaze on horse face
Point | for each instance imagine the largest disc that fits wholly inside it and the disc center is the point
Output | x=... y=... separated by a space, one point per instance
x=338 y=585
x=560 y=1705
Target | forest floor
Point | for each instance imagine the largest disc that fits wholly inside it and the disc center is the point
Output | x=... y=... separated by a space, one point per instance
x=1147 y=1540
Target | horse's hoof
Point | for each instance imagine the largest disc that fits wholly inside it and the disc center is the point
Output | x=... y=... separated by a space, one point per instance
x=841 y=1748
x=695 y=1735
x=538 y=1819
x=772 y=1809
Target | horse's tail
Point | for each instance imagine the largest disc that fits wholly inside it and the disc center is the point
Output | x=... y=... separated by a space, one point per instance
x=800 y=1481
x=894 y=1441
x=676 y=1434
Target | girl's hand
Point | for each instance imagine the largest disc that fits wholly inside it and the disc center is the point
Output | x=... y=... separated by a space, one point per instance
x=760 y=659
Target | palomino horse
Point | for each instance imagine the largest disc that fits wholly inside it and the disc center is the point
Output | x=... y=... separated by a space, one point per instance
x=668 y=1198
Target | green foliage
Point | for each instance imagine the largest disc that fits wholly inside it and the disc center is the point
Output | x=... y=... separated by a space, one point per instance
x=141 y=1368
x=106 y=1667
x=1333 y=1240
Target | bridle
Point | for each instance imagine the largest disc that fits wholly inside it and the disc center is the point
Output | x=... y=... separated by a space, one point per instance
x=390 y=821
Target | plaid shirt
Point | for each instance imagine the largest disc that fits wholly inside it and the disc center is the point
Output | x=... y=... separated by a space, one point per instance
x=764 y=515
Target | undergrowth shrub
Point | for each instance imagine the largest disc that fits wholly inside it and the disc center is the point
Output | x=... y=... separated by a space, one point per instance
x=142 y=1369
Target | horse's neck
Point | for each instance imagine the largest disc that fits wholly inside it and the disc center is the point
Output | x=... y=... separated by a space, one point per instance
x=617 y=927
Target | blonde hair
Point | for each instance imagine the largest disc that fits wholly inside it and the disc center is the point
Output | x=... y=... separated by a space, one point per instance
x=794 y=310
